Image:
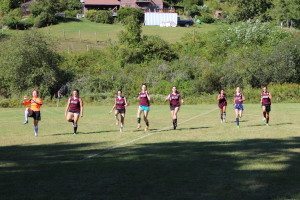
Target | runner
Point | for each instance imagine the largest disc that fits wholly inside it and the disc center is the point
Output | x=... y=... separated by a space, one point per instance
x=222 y=103
x=144 y=107
x=175 y=102
x=74 y=109
x=120 y=109
x=33 y=110
x=265 y=101
x=238 y=100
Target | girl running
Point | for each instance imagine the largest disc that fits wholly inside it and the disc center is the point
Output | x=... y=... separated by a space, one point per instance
x=144 y=107
x=33 y=110
x=238 y=100
x=222 y=103
x=175 y=102
x=120 y=109
x=74 y=109
x=265 y=101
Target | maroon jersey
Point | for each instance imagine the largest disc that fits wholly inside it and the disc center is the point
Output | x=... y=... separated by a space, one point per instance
x=74 y=105
x=120 y=103
x=174 y=100
x=143 y=99
x=222 y=98
x=265 y=97
x=238 y=98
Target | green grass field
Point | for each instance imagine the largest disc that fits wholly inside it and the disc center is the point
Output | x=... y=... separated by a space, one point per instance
x=203 y=159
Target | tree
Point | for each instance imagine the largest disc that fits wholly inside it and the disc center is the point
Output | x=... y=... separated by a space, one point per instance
x=249 y=9
x=133 y=31
x=44 y=11
x=8 y=5
x=285 y=11
x=28 y=61
x=136 y=13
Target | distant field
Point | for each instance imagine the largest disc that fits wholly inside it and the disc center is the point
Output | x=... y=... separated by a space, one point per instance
x=82 y=35
x=203 y=159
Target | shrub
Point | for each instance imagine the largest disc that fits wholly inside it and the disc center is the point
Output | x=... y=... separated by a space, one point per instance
x=100 y=16
x=9 y=103
x=44 y=19
x=251 y=33
x=12 y=19
x=125 y=12
x=8 y=5
x=28 y=22
x=207 y=18
x=91 y=15
x=71 y=13
x=155 y=47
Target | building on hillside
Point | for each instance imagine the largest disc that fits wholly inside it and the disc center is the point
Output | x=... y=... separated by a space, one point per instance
x=150 y=5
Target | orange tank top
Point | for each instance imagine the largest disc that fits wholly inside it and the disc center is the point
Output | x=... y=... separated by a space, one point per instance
x=34 y=103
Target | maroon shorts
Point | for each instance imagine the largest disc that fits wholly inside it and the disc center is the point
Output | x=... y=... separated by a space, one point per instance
x=221 y=105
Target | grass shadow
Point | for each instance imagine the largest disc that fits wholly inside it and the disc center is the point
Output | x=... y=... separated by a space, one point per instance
x=166 y=170
x=283 y=123
x=87 y=133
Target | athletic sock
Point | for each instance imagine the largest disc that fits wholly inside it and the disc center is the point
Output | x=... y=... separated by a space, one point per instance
x=237 y=121
x=26 y=115
x=221 y=116
x=36 y=130
x=138 y=120
x=175 y=123
x=147 y=123
x=267 y=120
x=75 y=128
x=224 y=116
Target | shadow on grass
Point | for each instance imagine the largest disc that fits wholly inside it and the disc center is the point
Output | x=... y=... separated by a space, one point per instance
x=86 y=133
x=193 y=128
x=283 y=123
x=278 y=124
x=256 y=125
x=178 y=129
x=246 y=169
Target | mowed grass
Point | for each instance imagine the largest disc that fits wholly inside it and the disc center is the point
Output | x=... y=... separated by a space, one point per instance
x=203 y=159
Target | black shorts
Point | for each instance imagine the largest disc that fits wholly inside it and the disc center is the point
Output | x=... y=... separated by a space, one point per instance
x=121 y=111
x=268 y=107
x=74 y=112
x=36 y=115
x=173 y=107
x=222 y=104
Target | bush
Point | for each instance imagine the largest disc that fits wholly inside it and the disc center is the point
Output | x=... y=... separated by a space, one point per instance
x=251 y=33
x=9 y=103
x=91 y=15
x=125 y=12
x=12 y=19
x=153 y=47
x=207 y=18
x=27 y=22
x=71 y=13
x=8 y=5
x=100 y=16
x=44 y=19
